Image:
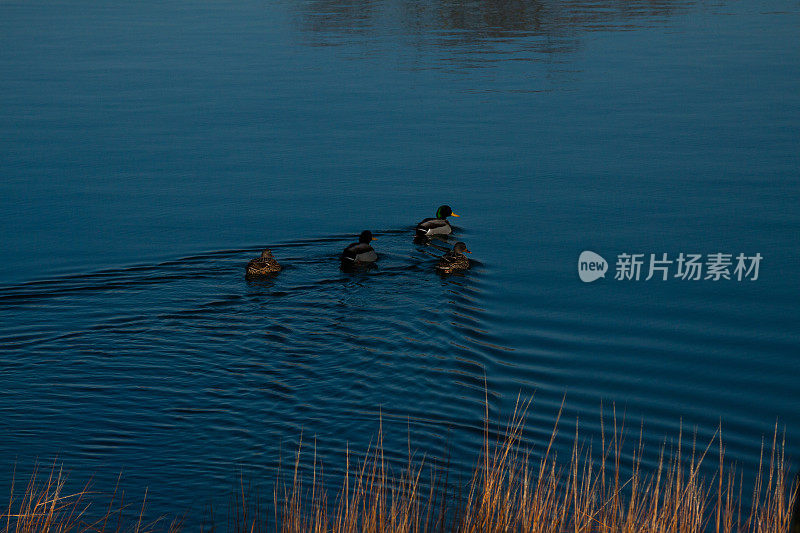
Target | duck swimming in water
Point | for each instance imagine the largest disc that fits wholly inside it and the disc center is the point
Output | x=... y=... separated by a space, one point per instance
x=262 y=266
x=360 y=253
x=454 y=259
x=438 y=225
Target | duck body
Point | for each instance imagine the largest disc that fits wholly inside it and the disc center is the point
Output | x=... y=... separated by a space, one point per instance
x=437 y=225
x=262 y=266
x=360 y=253
x=454 y=259
x=434 y=226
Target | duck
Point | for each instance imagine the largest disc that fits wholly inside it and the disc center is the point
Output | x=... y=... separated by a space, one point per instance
x=454 y=259
x=437 y=225
x=360 y=253
x=263 y=266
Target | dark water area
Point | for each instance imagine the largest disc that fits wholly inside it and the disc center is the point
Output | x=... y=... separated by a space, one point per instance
x=148 y=150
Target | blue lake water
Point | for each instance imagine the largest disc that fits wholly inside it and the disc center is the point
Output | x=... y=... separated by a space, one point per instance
x=148 y=150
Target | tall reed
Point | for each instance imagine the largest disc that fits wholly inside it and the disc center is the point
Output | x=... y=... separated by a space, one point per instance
x=691 y=489
x=511 y=491
x=45 y=505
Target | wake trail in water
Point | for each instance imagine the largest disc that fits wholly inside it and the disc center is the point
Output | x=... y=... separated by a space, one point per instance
x=313 y=336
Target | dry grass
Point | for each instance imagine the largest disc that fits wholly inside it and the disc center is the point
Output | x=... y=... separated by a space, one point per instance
x=692 y=489
x=46 y=506
x=509 y=491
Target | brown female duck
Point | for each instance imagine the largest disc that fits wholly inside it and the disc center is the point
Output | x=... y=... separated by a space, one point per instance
x=262 y=266
x=454 y=259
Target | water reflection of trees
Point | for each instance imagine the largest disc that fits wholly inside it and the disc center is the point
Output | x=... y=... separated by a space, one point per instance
x=333 y=16
x=479 y=22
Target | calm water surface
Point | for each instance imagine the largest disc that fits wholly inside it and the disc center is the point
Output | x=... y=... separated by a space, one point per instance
x=148 y=150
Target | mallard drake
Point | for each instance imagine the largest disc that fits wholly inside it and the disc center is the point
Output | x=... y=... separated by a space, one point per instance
x=454 y=259
x=360 y=253
x=438 y=225
x=263 y=266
